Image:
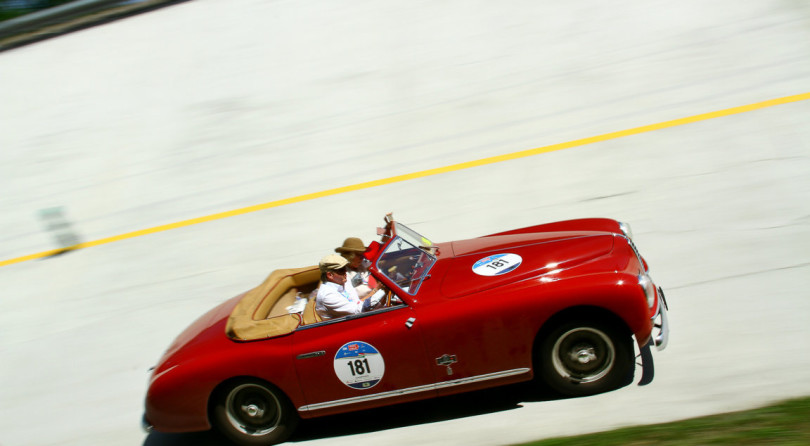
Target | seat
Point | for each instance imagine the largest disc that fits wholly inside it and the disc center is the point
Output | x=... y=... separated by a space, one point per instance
x=310 y=315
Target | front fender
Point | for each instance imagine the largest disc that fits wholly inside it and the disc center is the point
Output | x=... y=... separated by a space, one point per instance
x=618 y=293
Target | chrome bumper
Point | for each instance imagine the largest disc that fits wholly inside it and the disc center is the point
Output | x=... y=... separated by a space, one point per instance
x=661 y=323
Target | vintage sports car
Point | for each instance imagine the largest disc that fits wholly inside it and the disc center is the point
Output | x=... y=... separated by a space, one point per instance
x=560 y=303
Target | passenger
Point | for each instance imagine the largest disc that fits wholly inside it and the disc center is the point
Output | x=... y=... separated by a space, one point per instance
x=358 y=275
x=336 y=296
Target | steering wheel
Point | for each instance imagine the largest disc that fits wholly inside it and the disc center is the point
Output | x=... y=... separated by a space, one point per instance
x=389 y=295
x=418 y=269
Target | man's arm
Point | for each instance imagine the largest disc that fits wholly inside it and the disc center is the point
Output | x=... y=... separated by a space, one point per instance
x=338 y=305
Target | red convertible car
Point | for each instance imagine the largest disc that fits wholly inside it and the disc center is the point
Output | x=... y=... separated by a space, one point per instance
x=561 y=303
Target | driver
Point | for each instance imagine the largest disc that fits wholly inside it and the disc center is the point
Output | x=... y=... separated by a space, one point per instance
x=336 y=296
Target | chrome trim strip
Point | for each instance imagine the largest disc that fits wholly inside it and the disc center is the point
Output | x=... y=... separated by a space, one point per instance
x=350 y=317
x=479 y=378
x=635 y=251
x=412 y=390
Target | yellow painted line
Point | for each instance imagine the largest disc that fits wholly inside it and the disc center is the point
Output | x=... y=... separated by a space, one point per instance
x=426 y=173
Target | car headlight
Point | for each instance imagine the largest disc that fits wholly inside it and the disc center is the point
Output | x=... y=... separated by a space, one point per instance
x=647 y=285
x=625 y=227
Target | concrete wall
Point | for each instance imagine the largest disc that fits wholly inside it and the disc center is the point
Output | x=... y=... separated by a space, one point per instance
x=211 y=106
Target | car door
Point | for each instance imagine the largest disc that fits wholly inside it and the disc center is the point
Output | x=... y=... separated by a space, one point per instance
x=475 y=341
x=362 y=361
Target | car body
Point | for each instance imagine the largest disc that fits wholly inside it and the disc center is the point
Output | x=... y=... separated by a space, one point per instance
x=561 y=303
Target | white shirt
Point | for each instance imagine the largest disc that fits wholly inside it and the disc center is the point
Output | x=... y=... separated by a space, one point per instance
x=334 y=300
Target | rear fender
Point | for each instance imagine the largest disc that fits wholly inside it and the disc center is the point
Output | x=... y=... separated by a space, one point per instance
x=179 y=398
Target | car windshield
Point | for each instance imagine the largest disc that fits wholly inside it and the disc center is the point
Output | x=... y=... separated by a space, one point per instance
x=406 y=259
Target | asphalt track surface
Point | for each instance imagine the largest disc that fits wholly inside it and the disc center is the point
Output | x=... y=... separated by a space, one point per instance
x=312 y=111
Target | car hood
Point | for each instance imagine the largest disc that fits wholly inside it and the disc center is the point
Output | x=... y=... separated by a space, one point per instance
x=522 y=256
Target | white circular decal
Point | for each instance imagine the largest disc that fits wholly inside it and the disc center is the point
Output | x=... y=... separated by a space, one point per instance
x=359 y=365
x=497 y=264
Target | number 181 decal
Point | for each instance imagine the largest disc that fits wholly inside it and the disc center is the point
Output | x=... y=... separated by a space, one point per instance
x=497 y=264
x=359 y=365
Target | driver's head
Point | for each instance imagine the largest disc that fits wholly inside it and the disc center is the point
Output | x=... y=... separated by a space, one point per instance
x=333 y=269
x=352 y=250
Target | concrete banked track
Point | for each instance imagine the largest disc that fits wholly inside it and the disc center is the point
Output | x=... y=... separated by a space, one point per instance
x=212 y=106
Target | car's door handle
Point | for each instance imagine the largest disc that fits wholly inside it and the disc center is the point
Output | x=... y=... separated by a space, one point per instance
x=410 y=321
x=311 y=355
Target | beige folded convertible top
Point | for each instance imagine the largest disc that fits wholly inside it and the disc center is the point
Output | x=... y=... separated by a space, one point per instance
x=262 y=312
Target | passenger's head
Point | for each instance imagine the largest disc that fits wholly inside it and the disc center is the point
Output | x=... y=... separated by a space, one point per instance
x=352 y=250
x=333 y=269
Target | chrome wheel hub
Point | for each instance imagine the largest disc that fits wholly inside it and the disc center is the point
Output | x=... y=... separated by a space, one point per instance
x=584 y=355
x=253 y=410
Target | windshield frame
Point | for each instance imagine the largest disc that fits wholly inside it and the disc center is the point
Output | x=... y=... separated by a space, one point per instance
x=401 y=253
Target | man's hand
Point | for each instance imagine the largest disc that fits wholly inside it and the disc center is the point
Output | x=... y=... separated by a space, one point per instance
x=371 y=293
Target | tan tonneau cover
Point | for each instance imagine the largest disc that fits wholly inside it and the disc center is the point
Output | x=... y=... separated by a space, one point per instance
x=262 y=313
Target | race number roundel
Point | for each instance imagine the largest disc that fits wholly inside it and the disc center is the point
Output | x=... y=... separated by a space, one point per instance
x=497 y=264
x=359 y=365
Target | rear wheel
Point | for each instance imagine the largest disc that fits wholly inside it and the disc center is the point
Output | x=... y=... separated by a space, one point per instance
x=254 y=413
x=580 y=358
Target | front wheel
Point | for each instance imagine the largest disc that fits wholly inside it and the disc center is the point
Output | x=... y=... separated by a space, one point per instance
x=585 y=358
x=254 y=413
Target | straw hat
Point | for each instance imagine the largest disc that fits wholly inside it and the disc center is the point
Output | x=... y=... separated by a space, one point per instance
x=352 y=244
